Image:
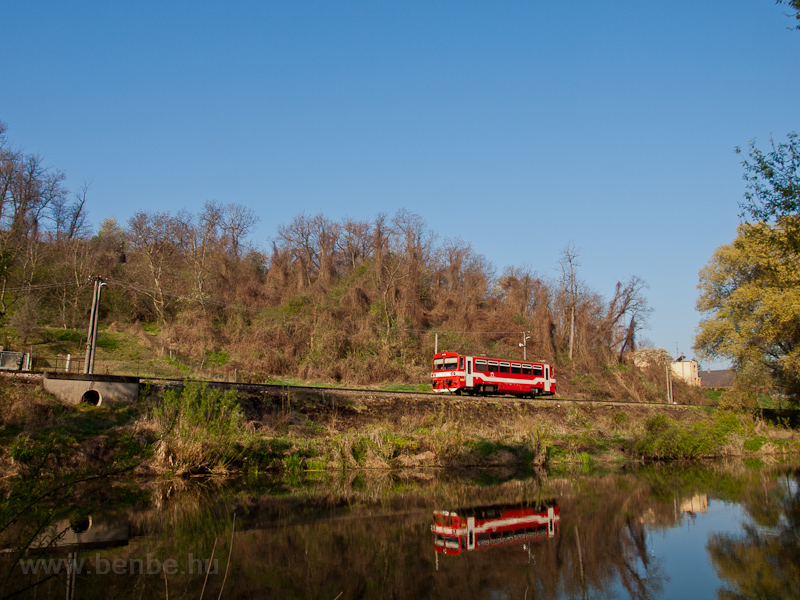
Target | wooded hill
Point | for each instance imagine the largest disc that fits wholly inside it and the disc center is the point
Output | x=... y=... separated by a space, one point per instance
x=355 y=301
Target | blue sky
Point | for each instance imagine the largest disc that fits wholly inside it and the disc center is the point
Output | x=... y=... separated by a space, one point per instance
x=519 y=126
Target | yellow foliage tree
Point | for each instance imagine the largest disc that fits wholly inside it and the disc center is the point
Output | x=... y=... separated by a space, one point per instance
x=750 y=296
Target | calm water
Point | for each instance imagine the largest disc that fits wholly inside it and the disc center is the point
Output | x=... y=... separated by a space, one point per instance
x=713 y=531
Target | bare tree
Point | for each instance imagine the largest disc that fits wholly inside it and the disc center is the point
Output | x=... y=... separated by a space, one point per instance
x=28 y=192
x=569 y=284
x=152 y=238
x=199 y=239
x=69 y=218
x=626 y=314
x=237 y=222
x=297 y=238
x=413 y=243
x=353 y=243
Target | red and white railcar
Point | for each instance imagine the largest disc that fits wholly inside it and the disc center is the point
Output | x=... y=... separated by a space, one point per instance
x=492 y=526
x=457 y=373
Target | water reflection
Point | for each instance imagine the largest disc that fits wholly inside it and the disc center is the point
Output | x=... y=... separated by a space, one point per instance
x=488 y=527
x=763 y=560
x=84 y=533
x=415 y=536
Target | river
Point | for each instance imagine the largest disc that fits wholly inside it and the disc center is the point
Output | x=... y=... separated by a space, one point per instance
x=710 y=530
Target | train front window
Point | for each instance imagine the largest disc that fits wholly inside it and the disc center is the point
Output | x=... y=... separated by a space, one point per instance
x=451 y=364
x=438 y=364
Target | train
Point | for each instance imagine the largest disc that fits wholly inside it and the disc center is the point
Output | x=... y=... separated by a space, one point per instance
x=491 y=526
x=480 y=375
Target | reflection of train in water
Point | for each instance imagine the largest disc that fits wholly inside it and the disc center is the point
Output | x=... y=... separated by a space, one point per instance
x=455 y=373
x=491 y=526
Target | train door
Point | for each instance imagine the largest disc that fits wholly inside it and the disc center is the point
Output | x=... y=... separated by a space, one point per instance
x=470 y=533
x=547 y=378
x=469 y=379
x=551 y=518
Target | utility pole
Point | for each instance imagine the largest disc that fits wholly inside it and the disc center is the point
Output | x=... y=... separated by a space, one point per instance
x=670 y=397
x=524 y=345
x=91 y=340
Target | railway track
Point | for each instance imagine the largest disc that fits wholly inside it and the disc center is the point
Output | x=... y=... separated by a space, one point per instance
x=285 y=389
x=375 y=393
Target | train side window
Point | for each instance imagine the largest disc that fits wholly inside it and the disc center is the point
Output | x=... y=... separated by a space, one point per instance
x=515 y=369
x=493 y=365
x=547 y=373
x=480 y=365
x=526 y=370
x=537 y=370
x=504 y=368
x=461 y=365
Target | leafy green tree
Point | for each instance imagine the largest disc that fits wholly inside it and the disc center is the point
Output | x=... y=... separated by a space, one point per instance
x=795 y=5
x=749 y=293
x=773 y=180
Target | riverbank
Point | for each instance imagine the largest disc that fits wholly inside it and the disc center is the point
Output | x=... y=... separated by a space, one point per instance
x=204 y=430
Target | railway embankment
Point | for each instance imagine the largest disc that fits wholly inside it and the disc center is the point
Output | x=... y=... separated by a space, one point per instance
x=224 y=429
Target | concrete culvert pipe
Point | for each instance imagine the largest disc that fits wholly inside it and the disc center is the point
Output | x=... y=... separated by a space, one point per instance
x=92 y=397
x=81 y=525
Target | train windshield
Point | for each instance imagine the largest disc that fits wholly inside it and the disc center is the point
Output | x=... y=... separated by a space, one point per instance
x=451 y=363
x=438 y=364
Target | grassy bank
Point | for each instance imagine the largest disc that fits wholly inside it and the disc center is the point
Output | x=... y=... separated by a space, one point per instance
x=203 y=430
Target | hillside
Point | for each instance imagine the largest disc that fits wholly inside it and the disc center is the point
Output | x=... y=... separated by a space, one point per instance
x=134 y=351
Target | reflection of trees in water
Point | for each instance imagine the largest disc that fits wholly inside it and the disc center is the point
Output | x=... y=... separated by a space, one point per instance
x=371 y=537
x=601 y=545
x=763 y=562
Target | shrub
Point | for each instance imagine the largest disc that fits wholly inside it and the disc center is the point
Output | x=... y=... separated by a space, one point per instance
x=738 y=399
x=202 y=429
x=665 y=438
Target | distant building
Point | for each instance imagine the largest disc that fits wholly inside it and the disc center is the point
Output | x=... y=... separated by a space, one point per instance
x=694 y=505
x=720 y=378
x=687 y=371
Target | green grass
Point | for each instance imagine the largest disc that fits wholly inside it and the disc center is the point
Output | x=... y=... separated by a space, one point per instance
x=107 y=342
x=406 y=387
x=217 y=359
x=669 y=439
x=766 y=401
x=755 y=444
